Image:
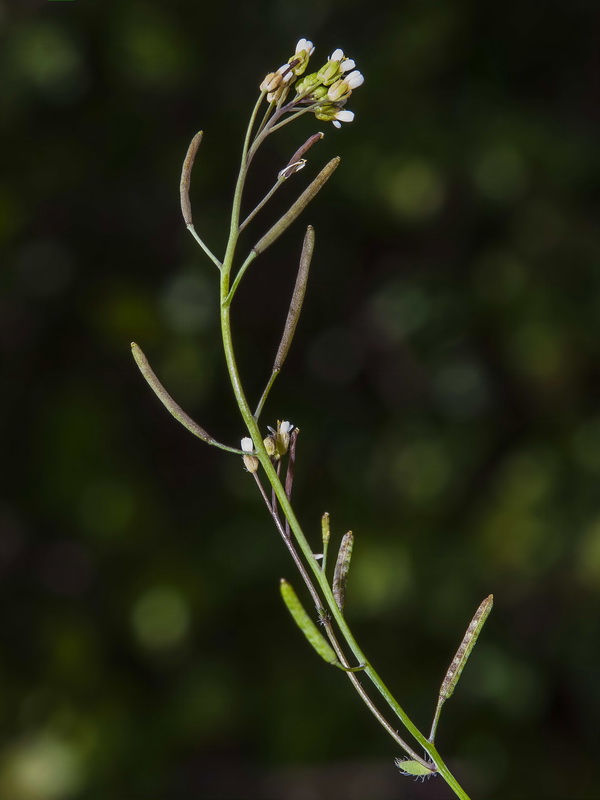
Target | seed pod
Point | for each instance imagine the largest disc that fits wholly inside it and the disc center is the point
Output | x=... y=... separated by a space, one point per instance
x=326 y=535
x=415 y=768
x=306 y=625
x=297 y=208
x=166 y=399
x=300 y=152
x=342 y=566
x=186 y=176
x=297 y=298
x=464 y=651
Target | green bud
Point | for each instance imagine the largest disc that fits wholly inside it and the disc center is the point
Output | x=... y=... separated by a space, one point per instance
x=270 y=447
x=308 y=83
x=329 y=73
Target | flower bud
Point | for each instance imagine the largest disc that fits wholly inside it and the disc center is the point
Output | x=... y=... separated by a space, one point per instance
x=282 y=437
x=299 y=61
x=308 y=83
x=270 y=447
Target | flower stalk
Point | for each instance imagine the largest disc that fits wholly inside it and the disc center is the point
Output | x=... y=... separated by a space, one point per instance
x=290 y=92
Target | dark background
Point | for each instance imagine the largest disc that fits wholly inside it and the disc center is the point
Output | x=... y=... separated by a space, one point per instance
x=444 y=377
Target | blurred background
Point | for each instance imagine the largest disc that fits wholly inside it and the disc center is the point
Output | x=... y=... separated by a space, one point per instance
x=444 y=378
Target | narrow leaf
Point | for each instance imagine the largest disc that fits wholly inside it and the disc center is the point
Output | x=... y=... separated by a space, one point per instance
x=186 y=176
x=306 y=625
x=464 y=651
x=342 y=566
x=296 y=209
x=297 y=298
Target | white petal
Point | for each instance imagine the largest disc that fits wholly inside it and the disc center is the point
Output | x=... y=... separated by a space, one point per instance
x=301 y=45
x=286 y=427
x=348 y=64
x=336 y=124
x=344 y=116
x=247 y=445
x=337 y=55
x=355 y=79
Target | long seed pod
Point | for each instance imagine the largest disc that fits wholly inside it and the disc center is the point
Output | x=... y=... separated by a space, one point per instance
x=297 y=298
x=326 y=535
x=296 y=209
x=464 y=651
x=301 y=151
x=460 y=659
x=170 y=404
x=186 y=176
x=342 y=566
x=306 y=625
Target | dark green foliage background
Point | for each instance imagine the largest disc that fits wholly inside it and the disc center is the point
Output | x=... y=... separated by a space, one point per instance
x=444 y=377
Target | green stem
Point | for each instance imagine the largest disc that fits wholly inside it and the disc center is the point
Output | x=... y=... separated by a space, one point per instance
x=277 y=486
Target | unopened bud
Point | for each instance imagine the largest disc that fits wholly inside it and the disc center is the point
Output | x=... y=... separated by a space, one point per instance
x=251 y=463
x=270 y=447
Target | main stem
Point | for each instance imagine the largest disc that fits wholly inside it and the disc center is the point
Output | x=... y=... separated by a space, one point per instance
x=278 y=488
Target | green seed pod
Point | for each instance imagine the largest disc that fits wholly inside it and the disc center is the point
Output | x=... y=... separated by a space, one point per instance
x=464 y=651
x=342 y=566
x=297 y=208
x=326 y=535
x=306 y=625
x=415 y=768
x=297 y=298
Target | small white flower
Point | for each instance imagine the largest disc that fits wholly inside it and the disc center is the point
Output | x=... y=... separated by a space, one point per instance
x=343 y=116
x=355 y=79
x=286 y=427
x=347 y=65
x=247 y=445
x=305 y=44
x=337 y=55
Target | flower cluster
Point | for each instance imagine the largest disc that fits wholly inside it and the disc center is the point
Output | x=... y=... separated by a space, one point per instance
x=325 y=91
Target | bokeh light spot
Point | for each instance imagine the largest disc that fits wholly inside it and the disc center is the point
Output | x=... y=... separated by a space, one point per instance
x=161 y=618
x=40 y=768
x=415 y=190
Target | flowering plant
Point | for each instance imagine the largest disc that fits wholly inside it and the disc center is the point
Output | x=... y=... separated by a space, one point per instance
x=288 y=93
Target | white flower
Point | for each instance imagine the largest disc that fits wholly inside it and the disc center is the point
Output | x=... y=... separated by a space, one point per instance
x=347 y=65
x=341 y=90
x=247 y=445
x=337 y=55
x=305 y=44
x=343 y=116
x=286 y=427
x=355 y=79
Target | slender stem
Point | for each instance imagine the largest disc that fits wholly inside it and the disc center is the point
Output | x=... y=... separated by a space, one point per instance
x=250 y=258
x=262 y=204
x=208 y=252
x=265 y=394
x=279 y=490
